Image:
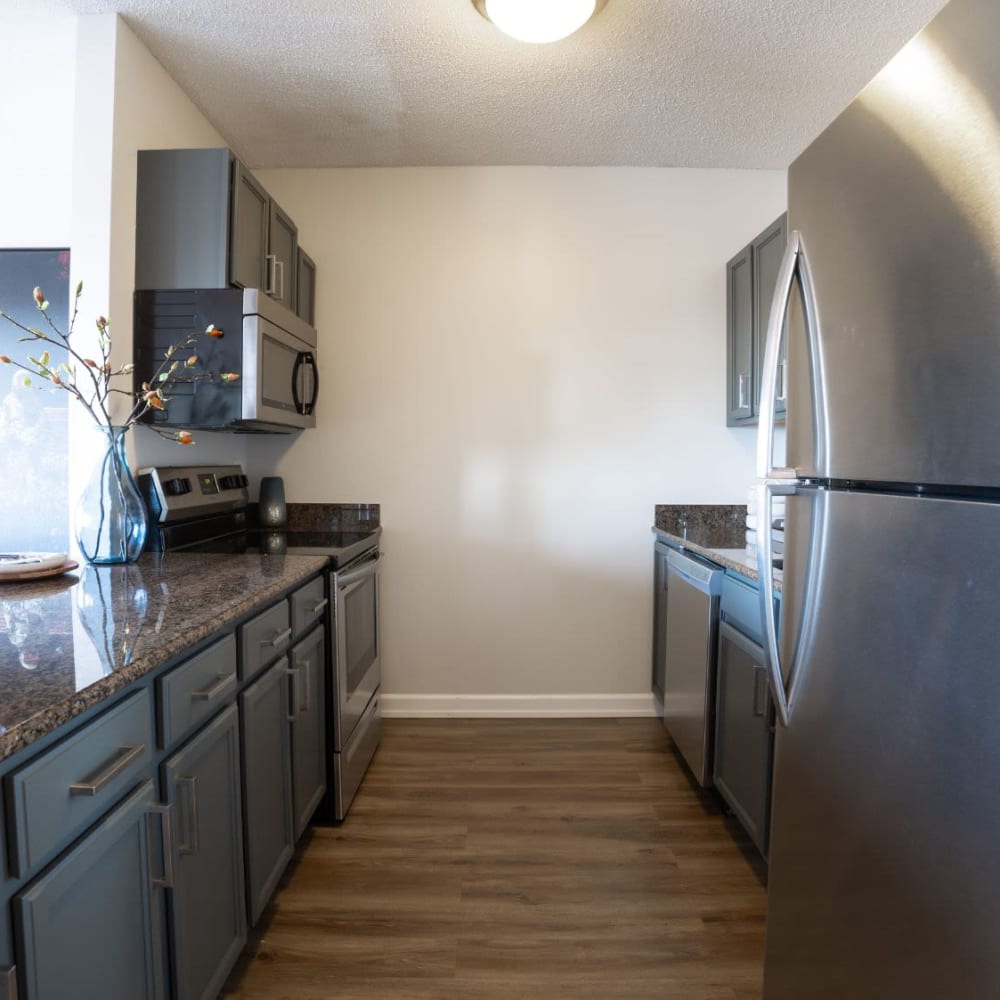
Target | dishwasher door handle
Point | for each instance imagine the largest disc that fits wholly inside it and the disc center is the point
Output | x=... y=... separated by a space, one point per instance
x=702 y=576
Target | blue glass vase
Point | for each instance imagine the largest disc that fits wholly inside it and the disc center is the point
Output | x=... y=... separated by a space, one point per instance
x=110 y=521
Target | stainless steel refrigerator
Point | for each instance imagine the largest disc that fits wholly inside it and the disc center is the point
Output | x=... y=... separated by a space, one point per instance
x=885 y=845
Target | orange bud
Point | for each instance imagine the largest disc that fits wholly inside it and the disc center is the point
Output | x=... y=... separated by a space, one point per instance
x=191 y=361
x=229 y=377
x=4 y=359
x=38 y=294
x=184 y=437
x=214 y=331
x=90 y=363
x=154 y=401
x=55 y=380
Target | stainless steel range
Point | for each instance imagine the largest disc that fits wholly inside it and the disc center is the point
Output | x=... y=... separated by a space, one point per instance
x=207 y=509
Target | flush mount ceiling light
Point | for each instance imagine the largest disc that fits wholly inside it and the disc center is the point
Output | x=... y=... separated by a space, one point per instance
x=538 y=20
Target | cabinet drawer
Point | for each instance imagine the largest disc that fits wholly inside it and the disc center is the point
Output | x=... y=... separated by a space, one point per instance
x=308 y=606
x=196 y=689
x=264 y=638
x=62 y=791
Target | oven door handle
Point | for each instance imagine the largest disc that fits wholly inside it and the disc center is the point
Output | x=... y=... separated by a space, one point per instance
x=344 y=580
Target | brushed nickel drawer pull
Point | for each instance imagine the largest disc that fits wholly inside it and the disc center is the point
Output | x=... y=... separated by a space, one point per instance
x=319 y=606
x=124 y=756
x=207 y=694
x=279 y=637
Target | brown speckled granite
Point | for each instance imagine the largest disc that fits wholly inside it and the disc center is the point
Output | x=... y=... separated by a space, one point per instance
x=70 y=642
x=731 y=558
x=333 y=516
x=711 y=525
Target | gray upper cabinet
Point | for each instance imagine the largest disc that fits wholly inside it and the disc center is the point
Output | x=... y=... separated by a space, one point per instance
x=305 y=288
x=282 y=256
x=740 y=339
x=204 y=221
x=208 y=902
x=248 y=240
x=768 y=250
x=90 y=925
x=750 y=279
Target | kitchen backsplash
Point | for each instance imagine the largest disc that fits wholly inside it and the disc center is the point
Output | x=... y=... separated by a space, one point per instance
x=333 y=516
x=717 y=526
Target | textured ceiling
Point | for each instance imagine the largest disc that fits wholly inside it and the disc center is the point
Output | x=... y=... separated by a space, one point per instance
x=694 y=83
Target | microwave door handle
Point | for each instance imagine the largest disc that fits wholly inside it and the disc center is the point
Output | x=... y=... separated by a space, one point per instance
x=304 y=358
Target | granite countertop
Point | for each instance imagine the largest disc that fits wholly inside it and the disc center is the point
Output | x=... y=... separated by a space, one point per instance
x=69 y=642
x=713 y=531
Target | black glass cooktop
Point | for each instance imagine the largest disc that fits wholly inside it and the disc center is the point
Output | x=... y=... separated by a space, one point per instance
x=340 y=546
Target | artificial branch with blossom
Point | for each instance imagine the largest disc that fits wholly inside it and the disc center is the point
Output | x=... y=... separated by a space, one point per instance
x=89 y=380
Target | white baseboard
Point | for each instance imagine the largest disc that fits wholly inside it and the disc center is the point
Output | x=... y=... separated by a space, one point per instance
x=517 y=706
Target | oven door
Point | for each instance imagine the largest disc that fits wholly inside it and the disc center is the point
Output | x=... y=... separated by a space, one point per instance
x=356 y=624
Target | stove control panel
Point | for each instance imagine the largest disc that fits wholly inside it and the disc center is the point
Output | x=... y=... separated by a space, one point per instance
x=174 y=492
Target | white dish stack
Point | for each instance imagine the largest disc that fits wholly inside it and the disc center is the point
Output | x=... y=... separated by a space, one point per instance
x=777 y=517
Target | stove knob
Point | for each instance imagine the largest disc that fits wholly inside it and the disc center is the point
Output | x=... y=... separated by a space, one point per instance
x=176 y=487
x=232 y=482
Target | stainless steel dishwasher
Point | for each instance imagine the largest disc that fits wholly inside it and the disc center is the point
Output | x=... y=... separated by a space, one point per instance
x=693 y=589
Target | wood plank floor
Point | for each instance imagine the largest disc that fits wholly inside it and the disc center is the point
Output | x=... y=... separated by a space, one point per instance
x=544 y=859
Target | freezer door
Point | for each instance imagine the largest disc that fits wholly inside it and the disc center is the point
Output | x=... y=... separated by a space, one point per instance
x=898 y=205
x=885 y=870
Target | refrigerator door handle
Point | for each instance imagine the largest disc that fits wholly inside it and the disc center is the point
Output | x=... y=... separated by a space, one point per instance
x=771 y=480
x=794 y=264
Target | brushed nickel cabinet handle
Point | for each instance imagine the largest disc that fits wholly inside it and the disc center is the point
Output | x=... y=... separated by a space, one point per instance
x=214 y=690
x=279 y=637
x=319 y=606
x=124 y=756
x=166 y=881
x=189 y=788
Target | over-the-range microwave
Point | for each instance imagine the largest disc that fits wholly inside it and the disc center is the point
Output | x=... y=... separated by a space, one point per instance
x=269 y=347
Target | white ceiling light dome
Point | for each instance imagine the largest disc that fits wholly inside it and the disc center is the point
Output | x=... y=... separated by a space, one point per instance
x=538 y=21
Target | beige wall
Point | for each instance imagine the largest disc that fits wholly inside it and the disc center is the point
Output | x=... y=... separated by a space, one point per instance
x=126 y=101
x=518 y=363
x=37 y=80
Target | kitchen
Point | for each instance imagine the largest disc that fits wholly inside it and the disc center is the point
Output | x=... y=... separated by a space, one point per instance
x=597 y=272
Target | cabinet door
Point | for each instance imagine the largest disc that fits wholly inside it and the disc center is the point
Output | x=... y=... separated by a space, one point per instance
x=743 y=737
x=659 y=620
x=768 y=251
x=90 y=925
x=305 y=288
x=267 y=774
x=283 y=253
x=248 y=237
x=208 y=902
x=740 y=386
x=308 y=666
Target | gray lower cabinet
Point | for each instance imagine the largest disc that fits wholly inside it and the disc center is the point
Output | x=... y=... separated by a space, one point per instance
x=8 y=975
x=744 y=732
x=659 y=620
x=308 y=727
x=89 y=924
x=265 y=710
x=207 y=910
